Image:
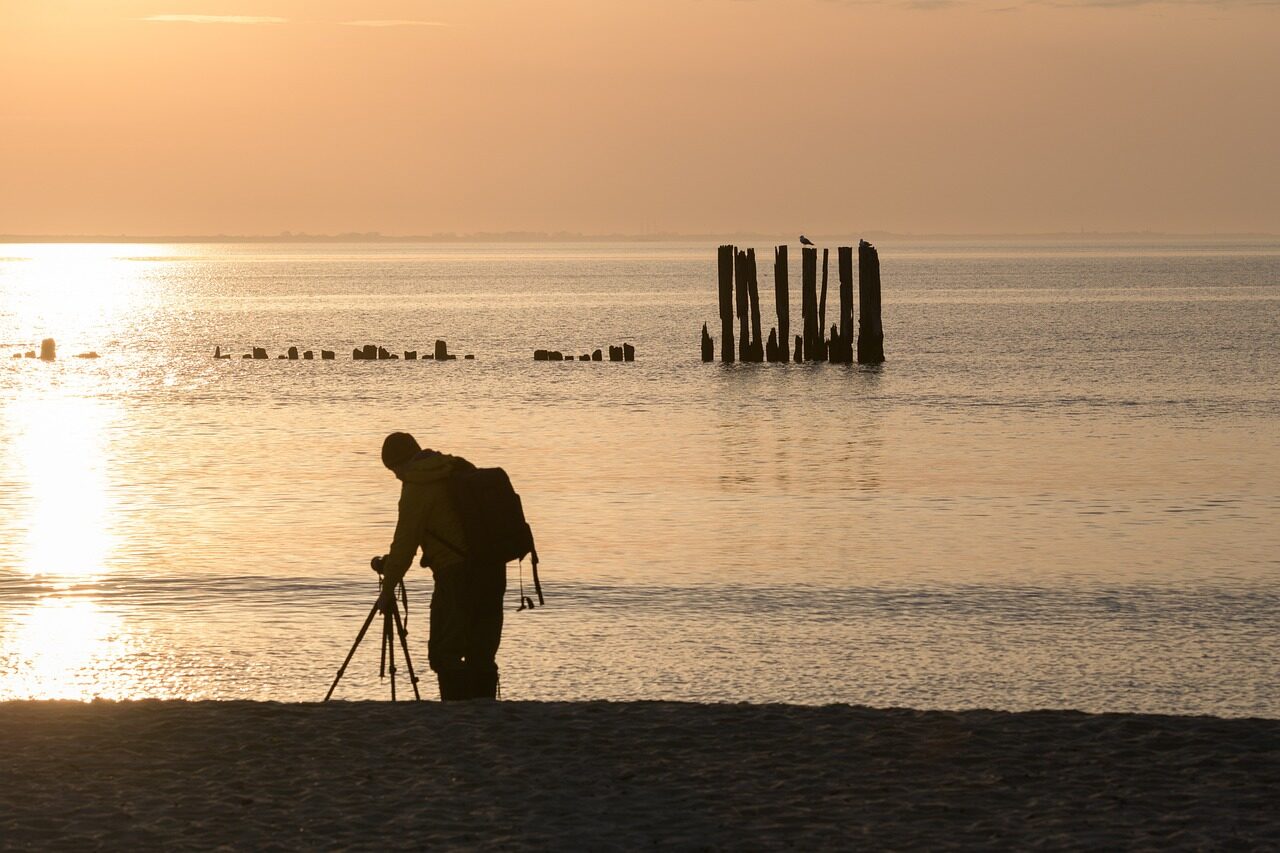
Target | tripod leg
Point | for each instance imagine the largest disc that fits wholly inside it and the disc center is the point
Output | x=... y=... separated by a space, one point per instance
x=342 y=669
x=390 y=642
x=386 y=633
x=404 y=644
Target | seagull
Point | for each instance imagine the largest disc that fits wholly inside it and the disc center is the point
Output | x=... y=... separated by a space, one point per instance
x=805 y=241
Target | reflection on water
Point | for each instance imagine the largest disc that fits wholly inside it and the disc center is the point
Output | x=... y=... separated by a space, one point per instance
x=59 y=443
x=66 y=648
x=1037 y=501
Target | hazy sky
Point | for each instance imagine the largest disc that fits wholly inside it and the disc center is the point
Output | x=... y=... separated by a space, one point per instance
x=638 y=116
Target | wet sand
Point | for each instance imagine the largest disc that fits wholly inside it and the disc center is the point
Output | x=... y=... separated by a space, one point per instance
x=595 y=775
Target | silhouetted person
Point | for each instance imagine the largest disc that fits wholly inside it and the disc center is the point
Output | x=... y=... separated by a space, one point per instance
x=466 y=607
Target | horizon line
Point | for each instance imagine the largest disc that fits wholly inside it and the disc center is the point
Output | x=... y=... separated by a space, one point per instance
x=572 y=236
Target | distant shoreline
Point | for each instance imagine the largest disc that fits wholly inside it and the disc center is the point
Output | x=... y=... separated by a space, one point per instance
x=540 y=237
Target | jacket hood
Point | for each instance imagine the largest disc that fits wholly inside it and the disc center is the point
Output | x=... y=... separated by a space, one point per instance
x=429 y=466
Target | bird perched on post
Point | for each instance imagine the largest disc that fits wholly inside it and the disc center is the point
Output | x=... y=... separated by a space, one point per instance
x=805 y=241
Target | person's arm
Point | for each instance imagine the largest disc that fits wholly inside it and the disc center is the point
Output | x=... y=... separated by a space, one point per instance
x=407 y=538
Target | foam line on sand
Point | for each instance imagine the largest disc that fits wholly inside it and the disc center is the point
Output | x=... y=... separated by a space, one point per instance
x=599 y=775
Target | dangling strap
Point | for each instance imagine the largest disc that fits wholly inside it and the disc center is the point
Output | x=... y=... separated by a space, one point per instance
x=533 y=561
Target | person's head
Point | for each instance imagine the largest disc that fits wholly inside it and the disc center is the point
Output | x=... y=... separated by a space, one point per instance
x=398 y=448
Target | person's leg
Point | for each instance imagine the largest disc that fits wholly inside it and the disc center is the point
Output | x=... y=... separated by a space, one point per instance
x=485 y=590
x=447 y=635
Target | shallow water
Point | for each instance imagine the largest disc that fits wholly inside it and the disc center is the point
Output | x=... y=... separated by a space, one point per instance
x=1062 y=489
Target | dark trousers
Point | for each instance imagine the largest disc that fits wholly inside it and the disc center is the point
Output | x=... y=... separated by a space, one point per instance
x=466 y=628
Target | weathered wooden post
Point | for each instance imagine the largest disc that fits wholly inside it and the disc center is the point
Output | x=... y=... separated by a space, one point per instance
x=823 y=354
x=442 y=351
x=809 y=301
x=293 y=353
x=327 y=355
x=743 y=308
x=628 y=352
x=753 y=294
x=870 y=332
x=771 y=346
x=48 y=350
x=708 y=345
x=845 y=262
x=799 y=354
x=780 y=291
x=309 y=355
x=259 y=352
x=726 y=304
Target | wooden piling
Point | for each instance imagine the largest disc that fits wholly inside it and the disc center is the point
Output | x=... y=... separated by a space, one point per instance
x=628 y=352
x=309 y=355
x=259 y=352
x=822 y=312
x=809 y=301
x=799 y=349
x=708 y=345
x=327 y=355
x=783 y=297
x=771 y=347
x=293 y=353
x=756 y=350
x=845 y=263
x=870 y=332
x=442 y=351
x=725 y=258
x=743 y=308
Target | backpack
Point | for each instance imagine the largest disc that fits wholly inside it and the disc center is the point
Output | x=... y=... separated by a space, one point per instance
x=493 y=521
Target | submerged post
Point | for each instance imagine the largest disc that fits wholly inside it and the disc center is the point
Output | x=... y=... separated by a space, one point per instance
x=783 y=298
x=845 y=261
x=725 y=258
x=708 y=345
x=870 y=332
x=809 y=301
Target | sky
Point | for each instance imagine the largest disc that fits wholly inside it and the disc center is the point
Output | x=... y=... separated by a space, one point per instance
x=638 y=116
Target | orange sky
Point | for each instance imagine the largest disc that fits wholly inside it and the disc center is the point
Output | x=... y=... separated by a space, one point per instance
x=637 y=116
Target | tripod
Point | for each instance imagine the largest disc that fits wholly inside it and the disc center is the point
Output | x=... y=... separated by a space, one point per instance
x=392 y=624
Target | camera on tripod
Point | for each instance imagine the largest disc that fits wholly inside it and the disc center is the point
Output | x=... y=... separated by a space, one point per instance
x=393 y=623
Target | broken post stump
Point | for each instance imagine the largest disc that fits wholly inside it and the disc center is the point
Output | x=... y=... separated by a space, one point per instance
x=259 y=352
x=628 y=352
x=541 y=355
x=615 y=353
x=870 y=332
x=771 y=346
x=442 y=351
x=725 y=258
x=708 y=345
x=597 y=355
x=370 y=352
x=48 y=350
x=309 y=355
x=411 y=355
x=327 y=354
x=799 y=349
x=293 y=353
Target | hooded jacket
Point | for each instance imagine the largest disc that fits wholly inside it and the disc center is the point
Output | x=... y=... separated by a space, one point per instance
x=427 y=518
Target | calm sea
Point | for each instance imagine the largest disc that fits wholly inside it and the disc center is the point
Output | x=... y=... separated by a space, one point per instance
x=1062 y=490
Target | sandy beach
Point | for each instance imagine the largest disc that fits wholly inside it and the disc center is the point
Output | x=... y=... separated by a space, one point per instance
x=517 y=775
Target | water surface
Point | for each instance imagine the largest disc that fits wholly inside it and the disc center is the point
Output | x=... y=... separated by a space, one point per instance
x=1062 y=489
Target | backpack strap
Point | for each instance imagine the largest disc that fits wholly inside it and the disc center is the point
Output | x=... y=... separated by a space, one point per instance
x=533 y=561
